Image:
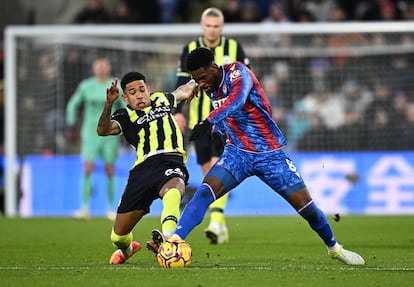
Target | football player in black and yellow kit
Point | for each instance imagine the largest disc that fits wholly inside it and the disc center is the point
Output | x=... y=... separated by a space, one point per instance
x=147 y=123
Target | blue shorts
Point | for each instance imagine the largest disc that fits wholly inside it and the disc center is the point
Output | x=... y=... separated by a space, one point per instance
x=274 y=168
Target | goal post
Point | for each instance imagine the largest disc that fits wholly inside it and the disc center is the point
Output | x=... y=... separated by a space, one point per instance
x=43 y=64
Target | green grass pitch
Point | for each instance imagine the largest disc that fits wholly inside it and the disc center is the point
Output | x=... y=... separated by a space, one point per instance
x=263 y=251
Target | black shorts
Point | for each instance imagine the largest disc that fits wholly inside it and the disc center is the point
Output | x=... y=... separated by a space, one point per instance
x=146 y=180
x=205 y=149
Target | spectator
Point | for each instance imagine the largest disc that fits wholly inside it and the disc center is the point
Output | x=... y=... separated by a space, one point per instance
x=121 y=13
x=379 y=135
x=144 y=11
x=351 y=135
x=276 y=13
x=298 y=124
x=321 y=10
x=93 y=13
x=168 y=9
x=250 y=13
x=317 y=138
x=388 y=11
x=232 y=11
x=327 y=105
x=355 y=99
x=382 y=102
x=405 y=129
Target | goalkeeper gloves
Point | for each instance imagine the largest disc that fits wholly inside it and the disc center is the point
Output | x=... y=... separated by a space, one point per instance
x=200 y=128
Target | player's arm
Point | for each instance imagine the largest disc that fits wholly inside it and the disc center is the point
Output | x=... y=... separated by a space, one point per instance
x=73 y=105
x=105 y=125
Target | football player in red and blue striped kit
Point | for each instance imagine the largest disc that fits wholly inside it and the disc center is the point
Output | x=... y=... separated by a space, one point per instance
x=254 y=147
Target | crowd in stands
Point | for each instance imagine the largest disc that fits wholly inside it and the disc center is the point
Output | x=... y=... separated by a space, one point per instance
x=368 y=108
x=235 y=11
x=170 y=11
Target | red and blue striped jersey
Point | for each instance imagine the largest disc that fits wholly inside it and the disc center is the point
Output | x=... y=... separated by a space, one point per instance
x=243 y=112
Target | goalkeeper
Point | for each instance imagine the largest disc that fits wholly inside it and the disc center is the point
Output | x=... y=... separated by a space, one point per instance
x=226 y=50
x=254 y=147
x=147 y=123
x=90 y=95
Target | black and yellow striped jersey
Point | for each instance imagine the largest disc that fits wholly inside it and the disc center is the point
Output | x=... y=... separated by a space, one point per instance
x=152 y=130
x=228 y=51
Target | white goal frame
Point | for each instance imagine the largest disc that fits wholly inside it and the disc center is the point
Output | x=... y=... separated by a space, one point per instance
x=59 y=31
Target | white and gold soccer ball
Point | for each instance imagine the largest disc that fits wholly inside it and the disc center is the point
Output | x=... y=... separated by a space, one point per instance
x=174 y=253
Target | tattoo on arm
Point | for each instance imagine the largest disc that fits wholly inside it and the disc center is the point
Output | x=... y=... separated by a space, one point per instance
x=104 y=124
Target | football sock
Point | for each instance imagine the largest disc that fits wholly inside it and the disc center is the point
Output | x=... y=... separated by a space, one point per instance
x=217 y=208
x=86 y=190
x=122 y=242
x=318 y=222
x=194 y=212
x=171 y=211
x=111 y=191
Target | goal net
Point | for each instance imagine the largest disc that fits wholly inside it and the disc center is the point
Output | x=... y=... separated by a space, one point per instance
x=332 y=87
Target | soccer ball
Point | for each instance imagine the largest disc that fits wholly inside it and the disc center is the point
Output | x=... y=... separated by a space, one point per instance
x=174 y=253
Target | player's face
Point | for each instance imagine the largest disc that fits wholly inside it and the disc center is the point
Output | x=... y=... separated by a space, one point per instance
x=212 y=28
x=137 y=95
x=102 y=69
x=208 y=79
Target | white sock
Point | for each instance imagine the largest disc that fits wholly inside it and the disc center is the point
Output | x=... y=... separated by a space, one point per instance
x=176 y=236
x=127 y=251
x=334 y=248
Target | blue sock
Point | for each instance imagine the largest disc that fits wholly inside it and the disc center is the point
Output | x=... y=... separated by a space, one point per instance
x=318 y=221
x=194 y=212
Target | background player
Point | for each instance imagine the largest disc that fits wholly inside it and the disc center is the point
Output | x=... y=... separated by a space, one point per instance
x=90 y=94
x=254 y=147
x=147 y=124
x=226 y=50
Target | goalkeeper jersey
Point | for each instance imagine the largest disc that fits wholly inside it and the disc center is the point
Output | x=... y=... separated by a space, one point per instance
x=152 y=130
x=91 y=95
x=243 y=112
x=228 y=51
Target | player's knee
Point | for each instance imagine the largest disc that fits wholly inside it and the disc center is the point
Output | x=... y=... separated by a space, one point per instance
x=121 y=241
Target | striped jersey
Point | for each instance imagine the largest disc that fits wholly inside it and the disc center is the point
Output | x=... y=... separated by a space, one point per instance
x=228 y=51
x=243 y=112
x=152 y=130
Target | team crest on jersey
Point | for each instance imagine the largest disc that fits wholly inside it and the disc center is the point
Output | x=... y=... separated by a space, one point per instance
x=234 y=73
x=224 y=89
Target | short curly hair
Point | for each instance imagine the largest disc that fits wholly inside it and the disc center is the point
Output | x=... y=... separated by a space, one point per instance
x=199 y=58
x=130 y=77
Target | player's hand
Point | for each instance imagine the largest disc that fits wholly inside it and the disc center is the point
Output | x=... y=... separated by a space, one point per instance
x=218 y=141
x=181 y=121
x=112 y=93
x=200 y=128
x=187 y=91
x=72 y=134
